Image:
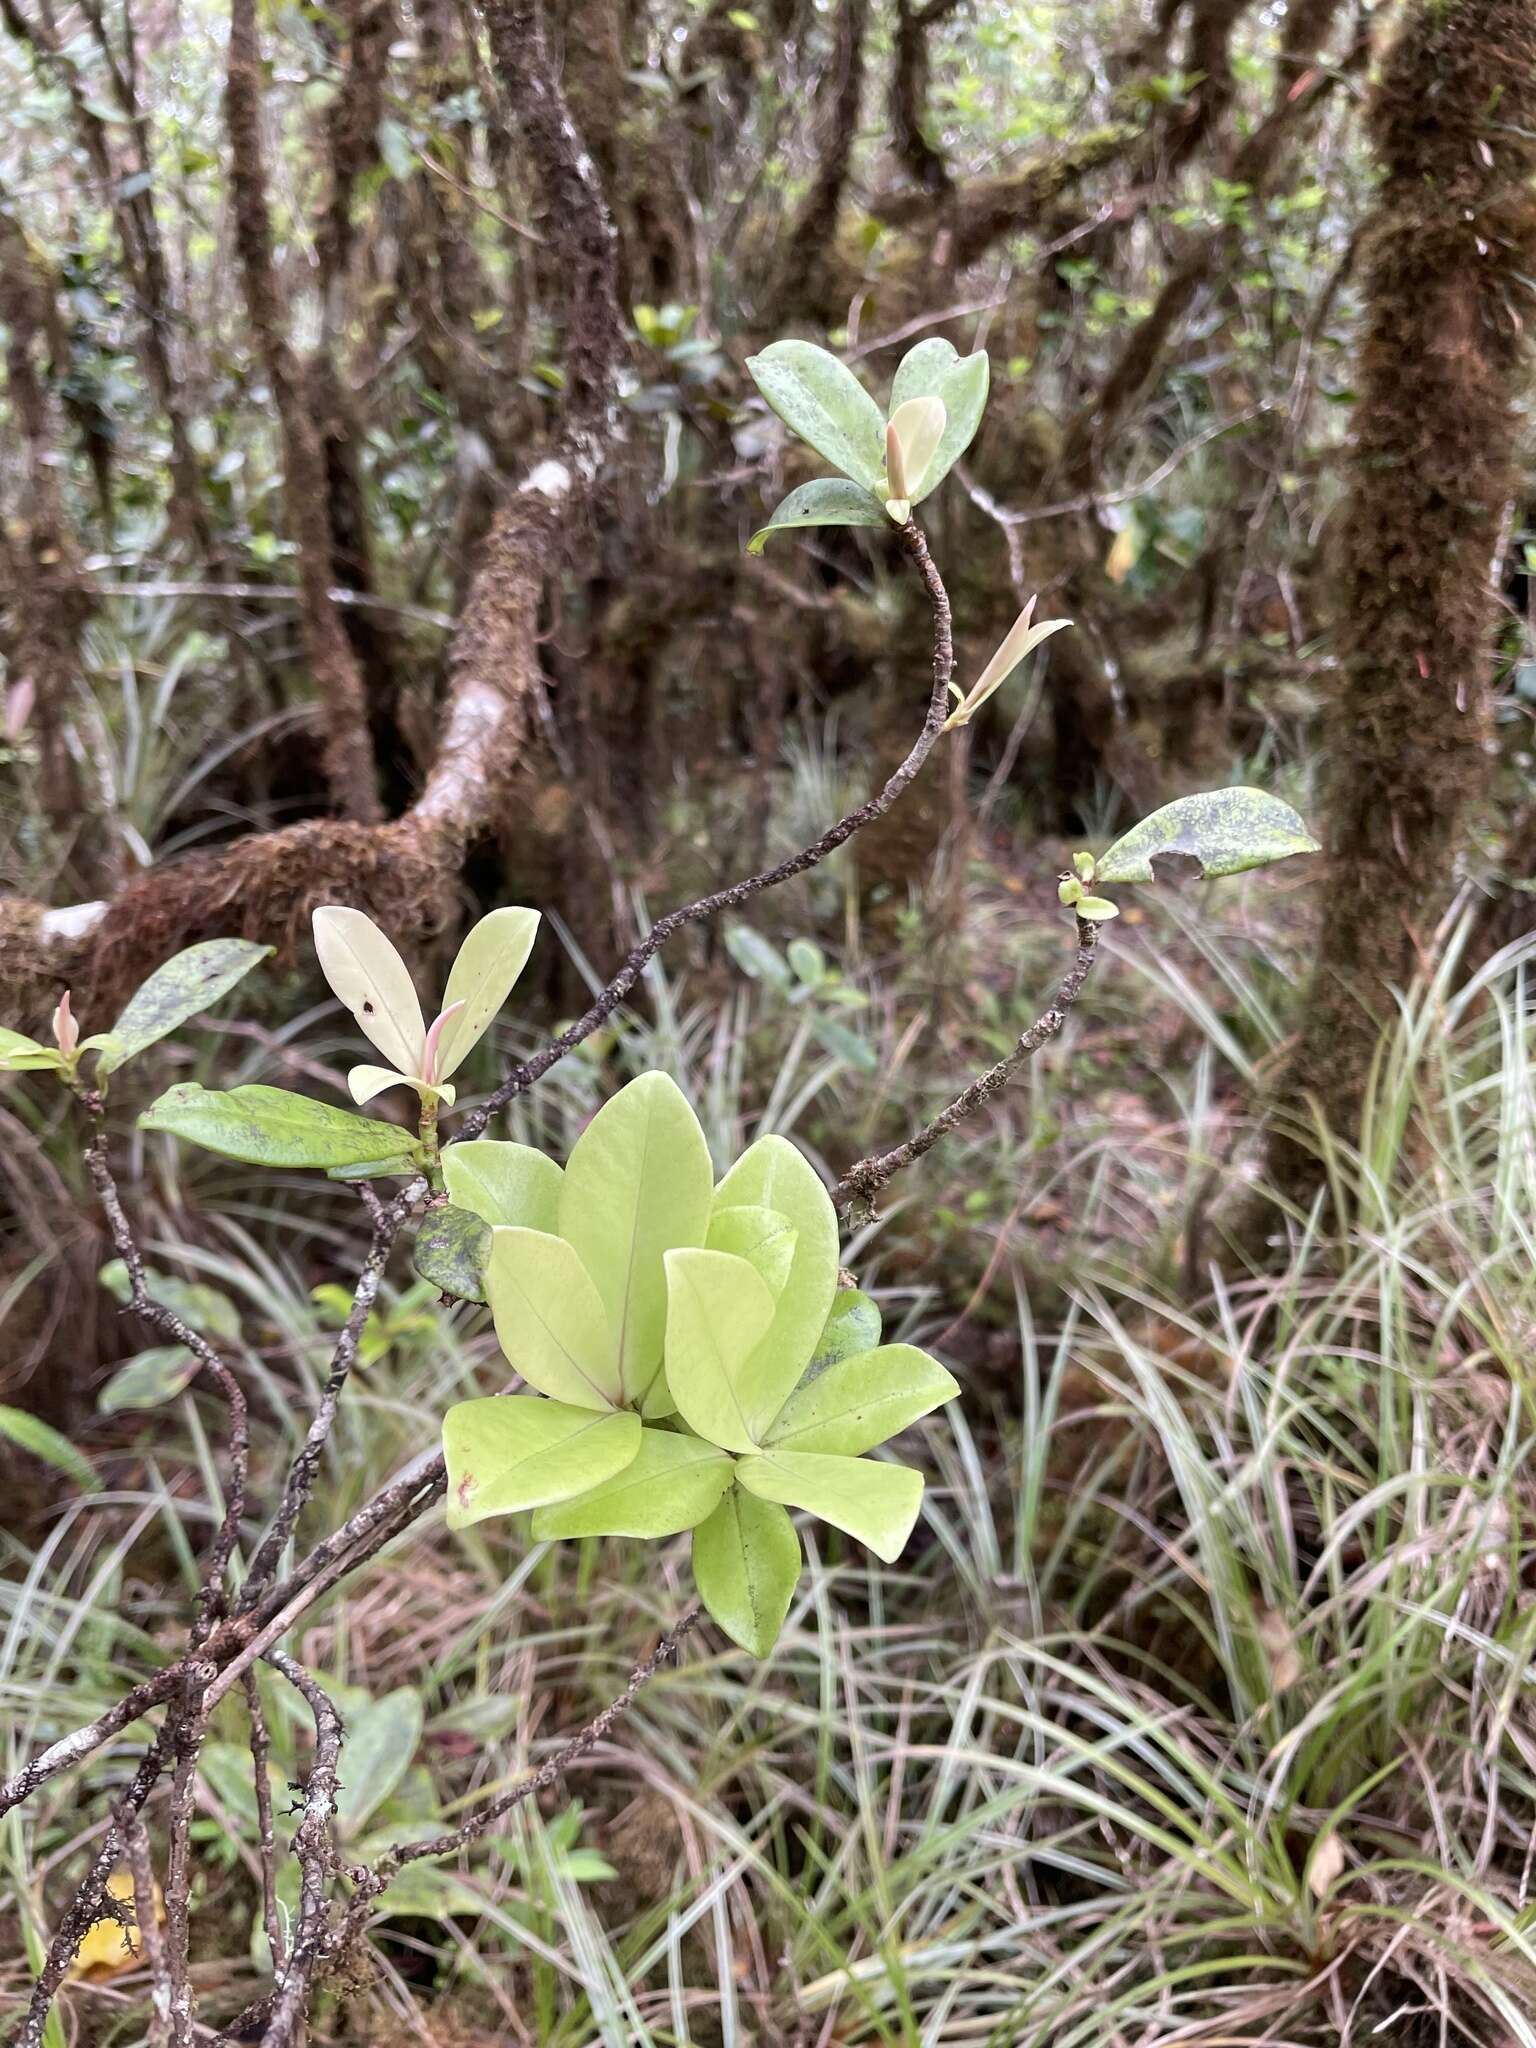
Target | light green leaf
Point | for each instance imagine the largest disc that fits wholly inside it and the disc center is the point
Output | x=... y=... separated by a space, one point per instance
x=673 y=1483
x=505 y=1183
x=550 y=1318
x=22 y=1055
x=762 y=1237
x=1227 y=830
x=381 y=1741
x=1021 y=639
x=718 y=1311
x=934 y=370
x=202 y=1307
x=368 y=976
x=185 y=986
x=481 y=978
x=825 y=404
x=32 y=1434
x=517 y=1451
x=826 y=501
x=149 y=1380
x=861 y=1401
x=912 y=434
x=271 y=1127
x=875 y=1503
x=808 y=961
x=853 y=1325
x=756 y=956
x=772 y=1175
x=364 y=1082
x=746 y=1561
x=451 y=1250
x=637 y=1184
x=1097 y=909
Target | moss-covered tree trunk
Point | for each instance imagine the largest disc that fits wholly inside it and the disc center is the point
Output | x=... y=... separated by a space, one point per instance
x=1447 y=260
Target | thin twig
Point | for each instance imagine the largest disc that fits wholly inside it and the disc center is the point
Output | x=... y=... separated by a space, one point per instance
x=522 y=1077
x=312 y=1846
x=145 y=1911
x=261 y=1750
x=864 y=1180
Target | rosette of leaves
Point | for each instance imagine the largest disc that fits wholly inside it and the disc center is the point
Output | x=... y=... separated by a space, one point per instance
x=691 y=1361
x=275 y=1127
x=887 y=463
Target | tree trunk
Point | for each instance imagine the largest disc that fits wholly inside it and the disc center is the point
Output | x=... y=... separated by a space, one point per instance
x=1444 y=353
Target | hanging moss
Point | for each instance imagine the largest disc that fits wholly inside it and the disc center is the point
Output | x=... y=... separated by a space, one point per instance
x=1446 y=263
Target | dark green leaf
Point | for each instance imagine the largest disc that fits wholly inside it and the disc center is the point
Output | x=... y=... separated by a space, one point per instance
x=271 y=1127
x=451 y=1249
x=829 y=501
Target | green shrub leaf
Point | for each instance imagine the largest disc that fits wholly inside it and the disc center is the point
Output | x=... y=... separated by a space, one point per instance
x=861 y=1401
x=637 y=1184
x=718 y=1311
x=934 y=369
x=762 y=1237
x=31 y=1433
x=875 y=1503
x=481 y=978
x=746 y=1562
x=22 y=1055
x=516 y=1451
x=202 y=1307
x=550 y=1318
x=185 y=986
x=149 y=1380
x=826 y=501
x=825 y=404
x=451 y=1250
x=504 y=1183
x=853 y=1325
x=672 y=1484
x=382 y=1739
x=272 y=1127
x=1227 y=830
x=368 y=976
x=772 y=1174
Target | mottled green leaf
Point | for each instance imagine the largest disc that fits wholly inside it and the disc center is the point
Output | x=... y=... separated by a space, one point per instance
x=148 y=1380
x=637 y=1184
x=672 y=1484
x=860 y=1401
x=516 y=1451
x=934 y=370
x=718 y=1311
x=481 y=978
x=772 y=1174
x=746 y=1562
x=505 y=1183
x=1227 y=830
x=550 y=1318
x=762 y=1237
x=200 y=1306
x=826 y=501
x=381 y=1741
x=451 y=1250
x=853 y=1325
x=825 y=404
x=184 y=987
x=32 y=1434
x=369 y=977
x=875 y=1503
x=272 y=1127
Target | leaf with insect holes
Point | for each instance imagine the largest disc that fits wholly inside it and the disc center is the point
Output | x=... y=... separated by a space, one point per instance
x=149 y=1380
x=22 y=1055
x=762 y=1237
x=719 y=1309
x=772 y=1174
x=1228 y=831
x=875 y=1503
x=912 y=433
x=481 y=978
x=637 y=1184
x=370 y=979
x=550 y=1318
x=861 y=1401
x=746 y=1562
x=451 y=1250
x=504 y=1183
x=272 y=1127
x=673 y=1483
x=934 y=370
x=822 y=401
x=184 y=987
x=514 y=1451
x=826 y=501
x=32 y=1434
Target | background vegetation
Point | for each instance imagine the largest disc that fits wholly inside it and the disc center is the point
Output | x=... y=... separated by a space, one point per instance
x=1199 y=1708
